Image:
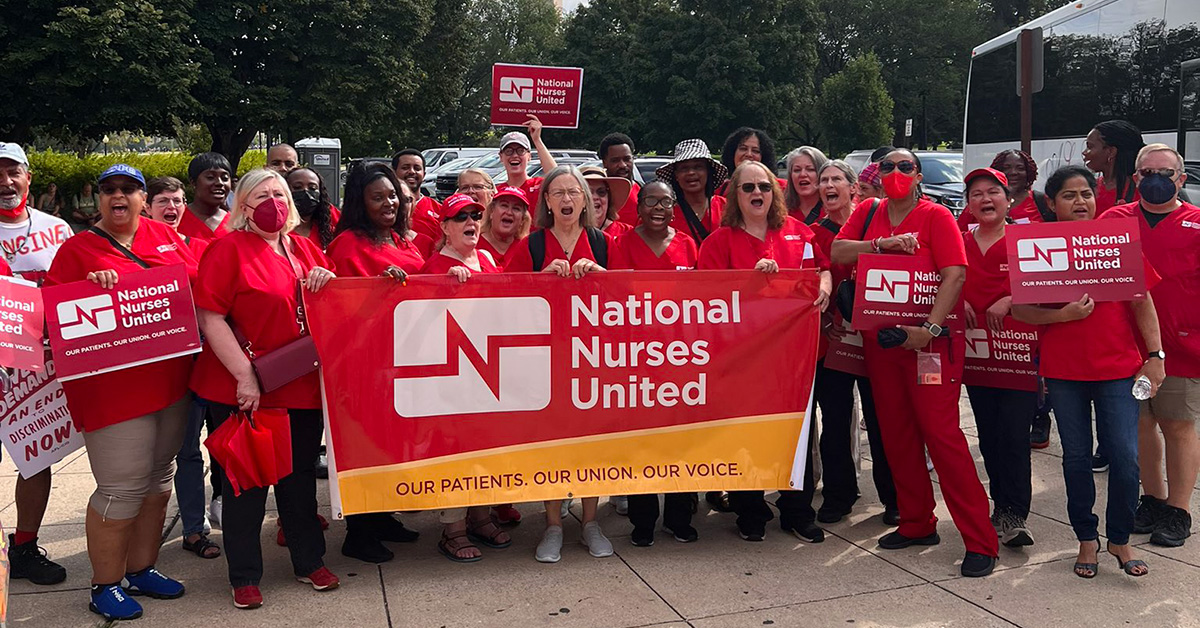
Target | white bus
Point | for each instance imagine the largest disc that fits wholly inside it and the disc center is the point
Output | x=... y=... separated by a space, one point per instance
x=1137 y=60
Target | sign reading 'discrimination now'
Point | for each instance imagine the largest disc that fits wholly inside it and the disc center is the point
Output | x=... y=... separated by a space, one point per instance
x=147 y=317
x=1057 y=262
x=551 y=93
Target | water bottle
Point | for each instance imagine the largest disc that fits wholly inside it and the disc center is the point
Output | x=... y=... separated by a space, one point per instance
x=1142 y=388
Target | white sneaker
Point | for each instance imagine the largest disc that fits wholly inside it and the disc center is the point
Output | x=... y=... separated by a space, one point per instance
x=593 y=537
x=566 y=509
x=621 y=504
x=207 y=525
x=549 y=550
x=214 y=512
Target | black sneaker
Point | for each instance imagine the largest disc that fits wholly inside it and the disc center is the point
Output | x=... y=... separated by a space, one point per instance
x=832 y=513
x=753 y=533
x=1174 y=527
x=366 y=548
x=975 y=565
x=392 y=530
x=322 y=468
x=1039 y=435
x=891 y=517
x=1150 y=511
x=1099 y=463
x=895 y=540
x=806 y=532
x=29 y=561
x=718 y=500
x=1013 y=531
x=642 y=537
x=685 y=534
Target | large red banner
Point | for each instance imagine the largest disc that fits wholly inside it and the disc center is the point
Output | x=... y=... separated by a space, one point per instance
x=1004 y=358
x=1057 y=262
x=147 y=317
x=552 y=94
x=21 y=319
x=528 y=387
x=898 y=290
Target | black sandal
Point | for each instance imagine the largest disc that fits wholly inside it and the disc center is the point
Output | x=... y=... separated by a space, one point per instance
x=202 y=546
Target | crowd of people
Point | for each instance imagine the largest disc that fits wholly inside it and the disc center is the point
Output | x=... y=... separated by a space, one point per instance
x=251 y=249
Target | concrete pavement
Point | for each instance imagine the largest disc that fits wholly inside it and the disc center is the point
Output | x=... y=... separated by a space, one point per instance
x=721 y=581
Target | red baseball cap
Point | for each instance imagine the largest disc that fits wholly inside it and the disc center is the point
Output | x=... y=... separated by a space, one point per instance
x=457 y=204
x=513 y=192
x=985 y=172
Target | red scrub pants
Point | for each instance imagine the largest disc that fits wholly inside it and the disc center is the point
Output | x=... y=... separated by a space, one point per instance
x=914 y=417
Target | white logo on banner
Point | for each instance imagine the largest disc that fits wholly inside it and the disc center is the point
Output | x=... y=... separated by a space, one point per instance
x=1043 y=255
x=87 y=316
x=477 y=355
x=888 y=286
x=514 y=89
x=977 y=344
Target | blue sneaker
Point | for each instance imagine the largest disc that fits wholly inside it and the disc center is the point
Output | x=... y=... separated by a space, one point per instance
x=151 y=582
x=112 y=603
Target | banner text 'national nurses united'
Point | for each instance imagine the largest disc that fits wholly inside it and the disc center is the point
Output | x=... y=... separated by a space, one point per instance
x=527 y=387
x=1059 y=262
x=552 y=94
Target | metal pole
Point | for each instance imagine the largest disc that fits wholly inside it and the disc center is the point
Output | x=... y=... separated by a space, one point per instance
x=1026 y=42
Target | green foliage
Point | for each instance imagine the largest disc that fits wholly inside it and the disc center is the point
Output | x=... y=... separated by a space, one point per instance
x=71 y=171
x=855 y=109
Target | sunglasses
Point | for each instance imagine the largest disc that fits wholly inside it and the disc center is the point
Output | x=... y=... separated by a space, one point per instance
x=1166 y=172
x=463 y=216
x=907 y=167
x=127 y=189
x=762 y=186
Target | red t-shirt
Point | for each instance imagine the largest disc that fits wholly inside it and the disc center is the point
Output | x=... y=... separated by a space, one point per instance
x=440 y=264
x=791 y=246
x=520 y=260
x=618 y=228
x=243 y=279
x=193 y=227
x=711 y=220
x=99 y=401
x=987 y=273
x=356 y=256
x=630 y=252
x=1103 y=346
x=628 y=212
x=1106 y=199
x=1172 y=247
x=427 y=218
x=1024 y=212
x=937 y=235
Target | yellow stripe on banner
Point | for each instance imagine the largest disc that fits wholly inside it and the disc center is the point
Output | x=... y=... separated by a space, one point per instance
x=745 y=453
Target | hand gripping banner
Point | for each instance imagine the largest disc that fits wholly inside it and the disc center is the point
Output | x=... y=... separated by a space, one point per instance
x=527 y=387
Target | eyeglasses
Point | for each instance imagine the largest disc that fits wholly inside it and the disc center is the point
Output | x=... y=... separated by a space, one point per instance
x=907 y=167
x=163 y=201
x=762 y=186
x=463 y=216
x=559 y=195
x=665 y=202
x=1166 y=172
x=475 y=187
x=127 y=189
x=513 y=150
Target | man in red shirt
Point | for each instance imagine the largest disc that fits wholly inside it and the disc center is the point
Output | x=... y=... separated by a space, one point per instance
x=616 y=155
x=515 y=154
x=1170 y=231
x=409 y=165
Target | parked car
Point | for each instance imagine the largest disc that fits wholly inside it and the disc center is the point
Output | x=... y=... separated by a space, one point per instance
x=435 y=157
x=447 y=177
x=644 y=167
x=429 y=183
x=943 y=171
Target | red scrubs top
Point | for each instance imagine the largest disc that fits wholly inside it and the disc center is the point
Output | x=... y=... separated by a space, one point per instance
x=791 y=246
x=243 y=279
x=1106 y=199
x=711 y=220
x=440 y=264
x=427 y=218
x=1172 y=247
x=521 y=261
x=193 y=227
x=532 y=188
x=630 y=252
x=938 y=236
x=628 y=212
x=987 y=273
x=500 y=258
x=618 y=228
x=356 y=256
x=818 y=212
x=314 y=234
x=98 y=401
x=1024 y=212
x=197 y=245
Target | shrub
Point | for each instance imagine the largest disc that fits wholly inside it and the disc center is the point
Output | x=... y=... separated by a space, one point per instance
x=70 y=171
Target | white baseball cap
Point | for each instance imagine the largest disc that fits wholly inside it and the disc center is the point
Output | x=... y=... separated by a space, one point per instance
x=515 y=137
x=8 y=150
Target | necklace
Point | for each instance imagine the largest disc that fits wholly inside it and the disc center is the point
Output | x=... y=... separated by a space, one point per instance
x=18 y=245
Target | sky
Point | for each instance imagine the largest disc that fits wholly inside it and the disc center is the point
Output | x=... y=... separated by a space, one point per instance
x=569 y=5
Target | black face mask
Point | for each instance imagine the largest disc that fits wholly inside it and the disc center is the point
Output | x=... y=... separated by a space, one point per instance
x=307 y=202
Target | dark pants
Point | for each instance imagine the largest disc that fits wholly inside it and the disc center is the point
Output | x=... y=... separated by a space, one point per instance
x=676 y=512
x=1004 y=418
x=296 y=496
x=795 y=507
x=835 y=398
x=189 y=473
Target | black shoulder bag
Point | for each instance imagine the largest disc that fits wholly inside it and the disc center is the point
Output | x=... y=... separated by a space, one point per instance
x=1043 y=206
x=846 y=289
x=596 y=240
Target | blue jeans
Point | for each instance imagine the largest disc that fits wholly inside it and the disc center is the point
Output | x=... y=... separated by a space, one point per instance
x=189 y=473
x=1116 y=429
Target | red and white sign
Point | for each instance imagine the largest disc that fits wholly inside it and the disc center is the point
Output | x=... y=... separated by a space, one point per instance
x=1002 y=359
x=21 y=325
x=552 y=94
x=147 y=317
x=37 y=428
x=846 y=353
x=1058 y=262
x=897 y=290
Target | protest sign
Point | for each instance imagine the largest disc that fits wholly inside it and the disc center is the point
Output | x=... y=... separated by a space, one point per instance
x=21 y=318
x=147 y=317
x=1059 y=262
x=898 y=290
x=552 y=94
x=1006 y=358
x=37 y=427
x=526 y=387
x=845 y=354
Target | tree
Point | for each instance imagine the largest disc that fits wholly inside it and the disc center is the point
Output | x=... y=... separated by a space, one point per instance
x=855 y=108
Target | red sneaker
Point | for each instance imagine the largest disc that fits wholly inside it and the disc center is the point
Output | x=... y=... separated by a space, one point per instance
x=247 y=597
x=321 y=579
x=282 y=541
x=506 y=514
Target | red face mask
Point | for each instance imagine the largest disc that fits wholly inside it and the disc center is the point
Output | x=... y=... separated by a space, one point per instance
x=270 y=215
x=897 y=185
x=16 y=211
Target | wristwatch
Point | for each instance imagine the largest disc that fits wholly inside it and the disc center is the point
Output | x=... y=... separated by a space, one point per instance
x=934 y=328
x=1160 y=354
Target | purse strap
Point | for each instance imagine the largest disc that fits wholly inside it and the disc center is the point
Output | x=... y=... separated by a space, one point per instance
x=870 y=214
x=118 y=246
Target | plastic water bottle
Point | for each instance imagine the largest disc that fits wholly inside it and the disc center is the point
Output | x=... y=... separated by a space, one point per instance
x=1142 y=388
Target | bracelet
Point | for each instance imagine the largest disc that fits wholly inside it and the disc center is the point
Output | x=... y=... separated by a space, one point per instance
x=875 y=245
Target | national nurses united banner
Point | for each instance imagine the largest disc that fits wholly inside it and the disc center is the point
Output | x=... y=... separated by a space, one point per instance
x=525 y=387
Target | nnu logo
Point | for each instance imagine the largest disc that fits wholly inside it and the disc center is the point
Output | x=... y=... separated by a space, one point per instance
x=514 y=89
x=888 y=286
x=978 y=347
x=1043 y=255
x=86 y=317
x=470 y=356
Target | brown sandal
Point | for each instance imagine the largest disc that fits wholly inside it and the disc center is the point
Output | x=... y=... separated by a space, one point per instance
x=486 y=533
x=452 y=544
x=203 y=547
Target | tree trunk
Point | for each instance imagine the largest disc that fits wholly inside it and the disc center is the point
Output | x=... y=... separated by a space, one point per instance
x=232 y=143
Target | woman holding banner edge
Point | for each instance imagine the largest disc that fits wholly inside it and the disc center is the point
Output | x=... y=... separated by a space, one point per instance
x=914 y=417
